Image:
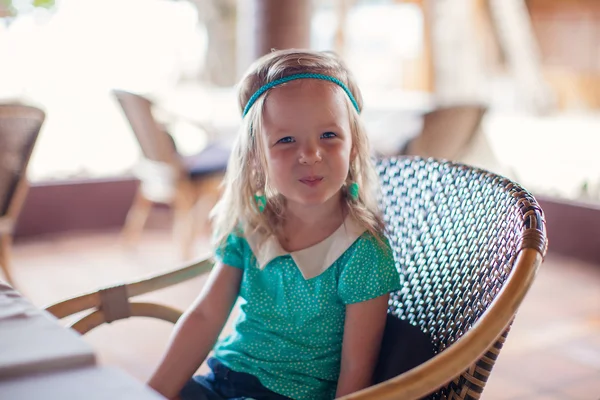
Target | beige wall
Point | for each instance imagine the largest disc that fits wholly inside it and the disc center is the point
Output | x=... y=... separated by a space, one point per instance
x=568 y=32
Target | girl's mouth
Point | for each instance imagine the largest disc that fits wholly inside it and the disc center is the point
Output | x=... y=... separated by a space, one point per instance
x=311 y=181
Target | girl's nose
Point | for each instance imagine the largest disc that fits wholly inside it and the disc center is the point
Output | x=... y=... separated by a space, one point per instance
x=310 y=154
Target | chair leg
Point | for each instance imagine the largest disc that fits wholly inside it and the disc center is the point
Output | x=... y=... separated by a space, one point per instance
x=206 y=198
x=136 y=218
x=200 y=213
x=5 y=257
x=183 y=223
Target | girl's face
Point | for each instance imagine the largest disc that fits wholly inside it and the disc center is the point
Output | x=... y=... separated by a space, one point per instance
x=307 y=142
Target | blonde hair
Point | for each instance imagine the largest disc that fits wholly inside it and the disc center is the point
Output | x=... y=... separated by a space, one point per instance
x=246 y=172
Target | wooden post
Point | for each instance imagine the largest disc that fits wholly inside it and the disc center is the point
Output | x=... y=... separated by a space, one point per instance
x=342 y=7
x=428 y=60
x=264 y=25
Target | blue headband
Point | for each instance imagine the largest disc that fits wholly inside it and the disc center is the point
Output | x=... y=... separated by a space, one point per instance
x=285 y=79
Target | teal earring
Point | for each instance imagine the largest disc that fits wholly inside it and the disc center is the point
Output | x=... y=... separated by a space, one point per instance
x=353 y=191
x=261 y=201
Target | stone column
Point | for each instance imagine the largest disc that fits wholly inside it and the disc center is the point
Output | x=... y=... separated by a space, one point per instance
x=459 y=72
x=517 y=38
x=219 y=18
x=270 y=24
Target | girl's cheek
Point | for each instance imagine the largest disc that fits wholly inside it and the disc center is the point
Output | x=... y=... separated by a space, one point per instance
x=275 y=159
x=281 y=154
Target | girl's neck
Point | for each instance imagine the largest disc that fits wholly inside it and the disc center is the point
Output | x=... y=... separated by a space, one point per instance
x=306 y=227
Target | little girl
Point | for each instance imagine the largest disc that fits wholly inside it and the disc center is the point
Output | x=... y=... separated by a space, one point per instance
x=299 y=242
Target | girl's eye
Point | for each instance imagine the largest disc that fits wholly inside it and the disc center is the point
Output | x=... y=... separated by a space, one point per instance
x=287 y=139
x=328 y=135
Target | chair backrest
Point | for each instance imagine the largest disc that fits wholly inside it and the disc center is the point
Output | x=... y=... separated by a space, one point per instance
x=19 y=129
x=457 y=232
x=447 y=132
x=156 y=144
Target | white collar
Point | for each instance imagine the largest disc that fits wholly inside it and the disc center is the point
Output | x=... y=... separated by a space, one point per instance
x=313 y=260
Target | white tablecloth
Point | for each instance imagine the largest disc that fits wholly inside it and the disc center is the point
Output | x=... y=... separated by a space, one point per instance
x=91 y=383
x=32 y=341
x=40 y=359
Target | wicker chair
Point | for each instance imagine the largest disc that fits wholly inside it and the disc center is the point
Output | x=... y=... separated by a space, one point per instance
x=112 y=303
x=467 y=245
x=19 y=129
x=189 y=184
x=447 y=132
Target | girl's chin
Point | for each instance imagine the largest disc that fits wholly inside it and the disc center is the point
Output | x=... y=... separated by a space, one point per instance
x=314 y=200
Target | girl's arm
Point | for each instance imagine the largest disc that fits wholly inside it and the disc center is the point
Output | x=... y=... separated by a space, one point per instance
x=363 y=331
x=197 y=330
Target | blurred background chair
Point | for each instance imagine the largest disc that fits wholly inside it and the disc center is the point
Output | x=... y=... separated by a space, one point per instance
x=189 y=184
x=19 y=129
x=467 y=244
x=447 y=132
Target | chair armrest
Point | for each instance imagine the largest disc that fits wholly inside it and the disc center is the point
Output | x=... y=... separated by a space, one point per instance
x=159 y=281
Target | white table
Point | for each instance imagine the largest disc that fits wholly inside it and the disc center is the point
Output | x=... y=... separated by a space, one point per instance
x=88 y=383
x=32 y=341
x=39 y=358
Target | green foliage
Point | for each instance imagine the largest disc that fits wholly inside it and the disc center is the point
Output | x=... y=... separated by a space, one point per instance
x=44 y=3
x=7 y=7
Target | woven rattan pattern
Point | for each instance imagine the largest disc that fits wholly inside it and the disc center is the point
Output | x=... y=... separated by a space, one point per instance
x=19 y=127
x=456 y=232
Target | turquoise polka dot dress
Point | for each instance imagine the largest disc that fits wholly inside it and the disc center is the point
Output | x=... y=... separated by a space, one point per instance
x=292 y=306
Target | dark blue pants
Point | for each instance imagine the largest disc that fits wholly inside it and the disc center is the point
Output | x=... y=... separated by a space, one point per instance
x=222 y=383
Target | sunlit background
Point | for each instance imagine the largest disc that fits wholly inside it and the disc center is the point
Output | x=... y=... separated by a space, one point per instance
x=66 y=56
x=532 y=65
